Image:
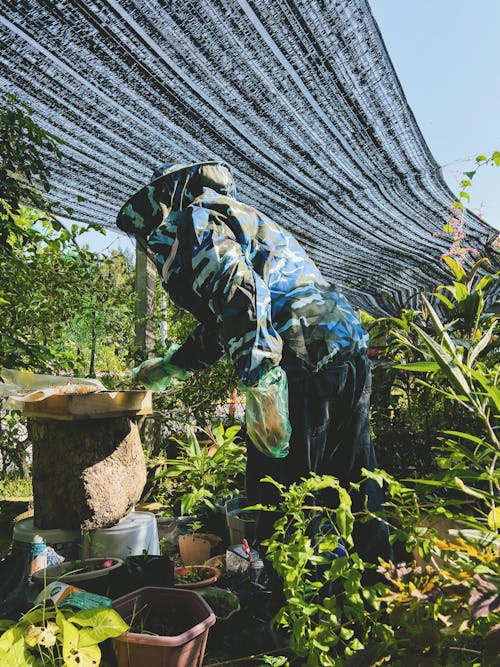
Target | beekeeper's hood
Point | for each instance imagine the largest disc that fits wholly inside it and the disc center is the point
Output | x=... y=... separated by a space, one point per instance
x=173 y=188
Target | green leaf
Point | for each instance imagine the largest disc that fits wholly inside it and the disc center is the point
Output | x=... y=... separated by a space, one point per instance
x=446 y=363
x=88 y=656
x=466 y=436
x=104 y=621
x=465 y=195
x=467 y=489
x=470 y=174
x=465 y=183
x=475 y=269
x=419 y=366
x=496 y=158
x=486 y=280
x=444 y=299
x=70 y=638
x=483 y=343
x=455 y=267
x=481 y=158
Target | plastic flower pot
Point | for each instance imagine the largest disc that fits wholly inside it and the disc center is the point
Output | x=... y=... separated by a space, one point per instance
x=182 y=644
x=92 y=574
x=142 y=572
x=241 y=522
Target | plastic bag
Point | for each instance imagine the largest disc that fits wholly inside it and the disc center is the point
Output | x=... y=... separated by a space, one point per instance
x=159 y=373
x=266 y=415
x=22 y=386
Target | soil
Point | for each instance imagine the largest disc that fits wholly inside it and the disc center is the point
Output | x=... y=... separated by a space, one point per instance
x=190 y=575
x=153 y=620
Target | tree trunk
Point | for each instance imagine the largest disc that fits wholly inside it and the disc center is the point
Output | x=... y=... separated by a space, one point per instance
x=87 y=474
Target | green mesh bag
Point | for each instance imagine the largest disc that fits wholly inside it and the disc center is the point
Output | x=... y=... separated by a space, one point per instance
x=266 y=415
x=158 y=373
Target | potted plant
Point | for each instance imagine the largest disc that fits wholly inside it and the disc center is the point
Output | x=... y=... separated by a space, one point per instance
x=195 y=576
x=51 y=635
x=92 y=574
x=169 y=627
x=141 y=571
x=205 y=470
x=223 y=603
x=240 y=521
x=196 y=547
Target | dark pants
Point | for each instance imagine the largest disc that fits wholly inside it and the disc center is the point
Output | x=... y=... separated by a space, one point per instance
x=329 y=414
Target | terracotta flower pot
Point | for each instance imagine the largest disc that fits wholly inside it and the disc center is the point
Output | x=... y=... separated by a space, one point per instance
x=194 y=549
x=195 y=576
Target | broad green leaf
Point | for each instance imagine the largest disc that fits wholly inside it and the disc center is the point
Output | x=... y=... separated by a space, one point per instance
x=496 y=158
x=106 y=621
x=486 y=280
x=70 y=638
x=475 y=268
x=483 y=343
x=444 y=299
x=481 y=158
x=461 y=292
x=492 y=391
x=470 y=174
x=88 y=656
x=465 y=195
x=455 y=267
x=11 y=636
x=494 y=517
x=446 y=363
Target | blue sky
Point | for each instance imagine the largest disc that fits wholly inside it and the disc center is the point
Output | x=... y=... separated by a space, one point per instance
x=446 y=54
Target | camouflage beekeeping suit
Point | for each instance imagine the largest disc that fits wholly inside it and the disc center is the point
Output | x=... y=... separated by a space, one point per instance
x=247 y=281
x=289 y=334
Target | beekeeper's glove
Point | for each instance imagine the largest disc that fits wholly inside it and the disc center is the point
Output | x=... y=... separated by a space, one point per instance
x=159 y=373
x=266 y=414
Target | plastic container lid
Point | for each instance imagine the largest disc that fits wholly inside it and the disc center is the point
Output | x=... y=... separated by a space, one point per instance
x=25 y=531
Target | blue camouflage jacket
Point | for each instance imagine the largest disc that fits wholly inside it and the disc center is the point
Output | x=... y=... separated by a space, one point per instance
x=245 y=279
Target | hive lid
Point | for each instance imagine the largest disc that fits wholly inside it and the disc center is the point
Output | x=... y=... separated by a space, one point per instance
x=98 y=405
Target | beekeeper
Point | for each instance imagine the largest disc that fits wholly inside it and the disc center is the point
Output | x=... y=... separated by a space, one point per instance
x=296 y=344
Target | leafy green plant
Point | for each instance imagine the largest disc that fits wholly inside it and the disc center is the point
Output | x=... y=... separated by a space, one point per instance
x=447 y=609
x=461 y=362
x=329 y=613
x=59 y=636
x=202 y=472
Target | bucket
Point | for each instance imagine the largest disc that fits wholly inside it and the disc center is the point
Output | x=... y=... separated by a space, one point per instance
x=131 y=536
x=241 y=523
x=66 y=543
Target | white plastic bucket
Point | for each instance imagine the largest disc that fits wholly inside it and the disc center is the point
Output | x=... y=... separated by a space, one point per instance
x=131 y=536
x=66 y=543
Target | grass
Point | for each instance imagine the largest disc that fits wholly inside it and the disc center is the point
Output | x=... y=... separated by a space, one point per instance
x=15 y=498
x=15 y=488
